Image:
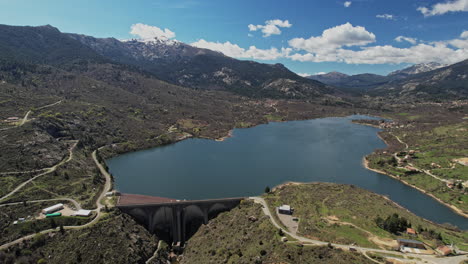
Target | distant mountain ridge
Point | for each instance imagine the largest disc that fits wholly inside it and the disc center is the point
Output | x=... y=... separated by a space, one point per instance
x=417 y=68
x=450 y=82
x=367 y=81
x=358 y=82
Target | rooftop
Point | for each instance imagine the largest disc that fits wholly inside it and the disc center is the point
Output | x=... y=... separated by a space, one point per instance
x=410 y=241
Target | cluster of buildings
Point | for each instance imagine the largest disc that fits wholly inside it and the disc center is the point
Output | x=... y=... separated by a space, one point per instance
x=418 y=247
x=56 y=210
x=391 y=124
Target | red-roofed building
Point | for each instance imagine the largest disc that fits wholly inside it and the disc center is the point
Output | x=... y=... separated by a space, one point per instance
x=444 y=250
x=410 y=231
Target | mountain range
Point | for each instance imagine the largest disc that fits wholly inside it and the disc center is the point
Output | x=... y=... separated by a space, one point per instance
x=366 y=81
x=188 y=66
x=450 y=82
x=167 y=60
x=181 y=64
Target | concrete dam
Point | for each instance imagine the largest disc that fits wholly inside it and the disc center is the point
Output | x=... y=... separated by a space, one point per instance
x=173 y=220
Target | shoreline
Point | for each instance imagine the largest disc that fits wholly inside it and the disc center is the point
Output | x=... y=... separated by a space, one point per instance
x=229 y=135
x=365 y=163
x=365 y=124
x=455 y=209
x=289 y=183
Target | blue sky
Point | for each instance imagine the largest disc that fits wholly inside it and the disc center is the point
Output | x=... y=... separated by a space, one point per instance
x=357 y=40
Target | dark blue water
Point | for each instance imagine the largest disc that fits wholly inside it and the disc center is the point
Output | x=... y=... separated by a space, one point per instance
x=328 y=150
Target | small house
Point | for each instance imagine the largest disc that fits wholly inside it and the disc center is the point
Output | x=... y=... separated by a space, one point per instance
x=52 y=209
x=410 y=231
x=82 y=212
x=444 y=250
x=411 y=168
x=285 y=209
x=451 y=184
x=409 y=243
x=12 y=119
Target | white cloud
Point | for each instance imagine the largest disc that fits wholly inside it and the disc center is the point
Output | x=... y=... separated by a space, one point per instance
x=386 y=16
x=271 y=27
x=233 y=50
x=347 y=4
x=407 y=39
x=150 y=32
x=304 y=74
x=333 y=38
x=442 y=8
x=464 y=34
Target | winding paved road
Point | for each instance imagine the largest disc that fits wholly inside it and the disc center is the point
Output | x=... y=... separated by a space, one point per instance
x=363 y=250
x=99 y=206
x=25 y=118
x=411 y=164
x=107 y=184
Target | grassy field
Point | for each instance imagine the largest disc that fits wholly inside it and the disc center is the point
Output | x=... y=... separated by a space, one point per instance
x=346 y=214
x=245 y=235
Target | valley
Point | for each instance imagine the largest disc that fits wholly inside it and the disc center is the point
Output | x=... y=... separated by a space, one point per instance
x=69 y=103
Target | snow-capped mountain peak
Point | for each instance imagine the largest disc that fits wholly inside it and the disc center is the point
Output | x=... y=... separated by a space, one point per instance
x=419 y=68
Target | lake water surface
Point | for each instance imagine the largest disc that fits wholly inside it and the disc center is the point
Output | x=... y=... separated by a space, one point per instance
x=327 y=150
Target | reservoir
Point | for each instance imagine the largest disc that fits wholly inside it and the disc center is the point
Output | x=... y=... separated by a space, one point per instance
x=326 y=150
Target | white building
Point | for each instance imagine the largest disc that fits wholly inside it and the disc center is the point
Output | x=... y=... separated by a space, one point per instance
x=52 y=209
x=285 y=209
x=82 y=212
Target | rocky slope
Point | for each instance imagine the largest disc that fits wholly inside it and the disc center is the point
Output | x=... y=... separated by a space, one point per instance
x=184 y=65
x=246 y=235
